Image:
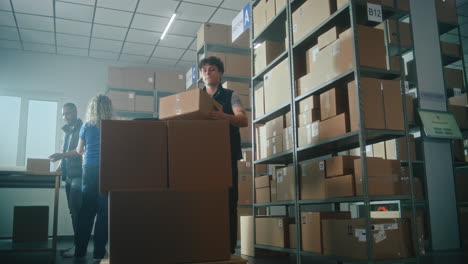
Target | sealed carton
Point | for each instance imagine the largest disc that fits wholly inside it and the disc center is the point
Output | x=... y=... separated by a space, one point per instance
x=272 y=231
x=265 y=53
x=308 y=117
x=447 y=11
x=373 y=113
x=309 y=15
x=38 y=165
x=308 y=134
x=384 y=177
x=334 y=126
x=332 y=103
x=193 y=104
x=262 y=195
x=285 y=184
x=277 y=86
x=122 y=100
x=274 y=145
x=312 y=183
x=310 y=103
x=245 y=189
x=339 y=186
x=340 y=165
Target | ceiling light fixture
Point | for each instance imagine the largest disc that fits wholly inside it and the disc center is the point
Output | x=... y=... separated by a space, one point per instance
x=168 y=26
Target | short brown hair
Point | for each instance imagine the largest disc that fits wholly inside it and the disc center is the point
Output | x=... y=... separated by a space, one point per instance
x=212 y=60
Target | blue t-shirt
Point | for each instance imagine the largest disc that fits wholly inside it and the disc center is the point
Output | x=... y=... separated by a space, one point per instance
x=91 y=136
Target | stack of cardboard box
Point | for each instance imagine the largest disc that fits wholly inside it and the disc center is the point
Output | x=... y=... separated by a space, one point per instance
x=264 y=12
x=245 y=167
x=274 y=137
x=308 y=119
x=179 y=167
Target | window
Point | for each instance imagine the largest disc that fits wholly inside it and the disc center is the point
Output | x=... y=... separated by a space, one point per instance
x=29 y=129
x=10 y=108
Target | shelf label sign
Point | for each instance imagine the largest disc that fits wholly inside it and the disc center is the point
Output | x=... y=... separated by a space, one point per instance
x=191 y=76
x=374 y=12
x=241 y=22
x=440 y=124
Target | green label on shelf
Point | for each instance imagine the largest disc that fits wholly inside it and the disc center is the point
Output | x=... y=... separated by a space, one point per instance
x=439 y=124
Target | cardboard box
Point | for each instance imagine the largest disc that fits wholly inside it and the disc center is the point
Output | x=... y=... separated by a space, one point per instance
x=259 y=102
x=205 y=144
x=406 y=39
x=193 y=227
x=309 y=103
x=243 y=40
x=274 y=145
x=409 y=108
x=340 y=186
x=144 y=103
x=171 y=81
x=292 y=236
x=461 y=115
x=451 y=49
x=393 y=105
x=262 y=181
x=272 y=231
x=334 y=127
x=238 y=87
x=261 y=142
x=341 y=3
x=379 y=150
x=30 y=224
x=447 y=11
x=309 y=15
x=340 y=165
x=275 y=127
x=266 y=53
x=131 y=78
x=277 y=86
x=347 y=238
x=287 y=120
x=383 y=176
x=245 y=101
x=460 y=100
x=328 y=37
x=288 y=138
x=401 y=146
x=308 y=134
x=332 y=103
x=245 y=189
x=193 y=104
x=237 y=65
x=308 y=117
x=242 y=211
x=259 y=17
x=374 y=117
x=394 y=63
x=213 y=33
x=140 y=161
x=312 y=183
x=357 y=151
x=246 y=236
x=285 y=184
x=311 y=228
x=122 y=100
x=453 y=79
x=273 y=190
x=38 y=165
x=262 y=195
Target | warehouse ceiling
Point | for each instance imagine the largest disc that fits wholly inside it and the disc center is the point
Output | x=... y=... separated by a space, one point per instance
x=115 y=30
x=127 y=31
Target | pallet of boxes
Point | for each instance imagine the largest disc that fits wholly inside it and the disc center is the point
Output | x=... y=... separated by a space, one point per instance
x=168 y=184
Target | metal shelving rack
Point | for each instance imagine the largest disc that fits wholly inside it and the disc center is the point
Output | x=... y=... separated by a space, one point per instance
x=156 y=94
x=350 y=15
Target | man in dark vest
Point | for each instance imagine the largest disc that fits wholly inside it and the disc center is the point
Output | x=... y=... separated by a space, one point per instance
x=70 y=164
x=212 y=70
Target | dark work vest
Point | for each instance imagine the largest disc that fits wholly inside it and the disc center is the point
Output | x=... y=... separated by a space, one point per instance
x=223 y=96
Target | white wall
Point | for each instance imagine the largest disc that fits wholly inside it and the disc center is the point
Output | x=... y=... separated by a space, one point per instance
x=49 y=77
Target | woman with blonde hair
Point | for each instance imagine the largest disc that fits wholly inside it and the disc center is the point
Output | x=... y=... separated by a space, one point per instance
x=94 y=204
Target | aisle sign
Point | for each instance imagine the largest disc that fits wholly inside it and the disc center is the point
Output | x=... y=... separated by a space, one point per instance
x=439 y=124
x=190 y=77
x=374 y=12
x=241 y=22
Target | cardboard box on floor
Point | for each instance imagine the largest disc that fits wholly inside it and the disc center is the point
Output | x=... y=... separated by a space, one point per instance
x=277 y=88
x=309 y=15
x=383 y=176
x=272 y=231
x=213 y=33
x=312 y=183
x=311 y=228
x=193 y=104
x=347 y=238
x=38 y=165
x=193 y=227
x=138 y=162
x=205 y=144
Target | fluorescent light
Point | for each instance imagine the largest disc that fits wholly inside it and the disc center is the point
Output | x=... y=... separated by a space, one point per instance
x=168 y=26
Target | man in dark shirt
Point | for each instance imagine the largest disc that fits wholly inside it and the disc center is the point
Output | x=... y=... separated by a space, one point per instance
x=212 y=70
x=70 y=164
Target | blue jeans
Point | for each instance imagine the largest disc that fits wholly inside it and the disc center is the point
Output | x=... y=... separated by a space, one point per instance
x=73 y=192
x=94 y=204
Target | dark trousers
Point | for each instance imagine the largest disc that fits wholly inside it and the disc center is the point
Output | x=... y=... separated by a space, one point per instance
x=94 y=204
x=233 y=197
x=73 y=192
